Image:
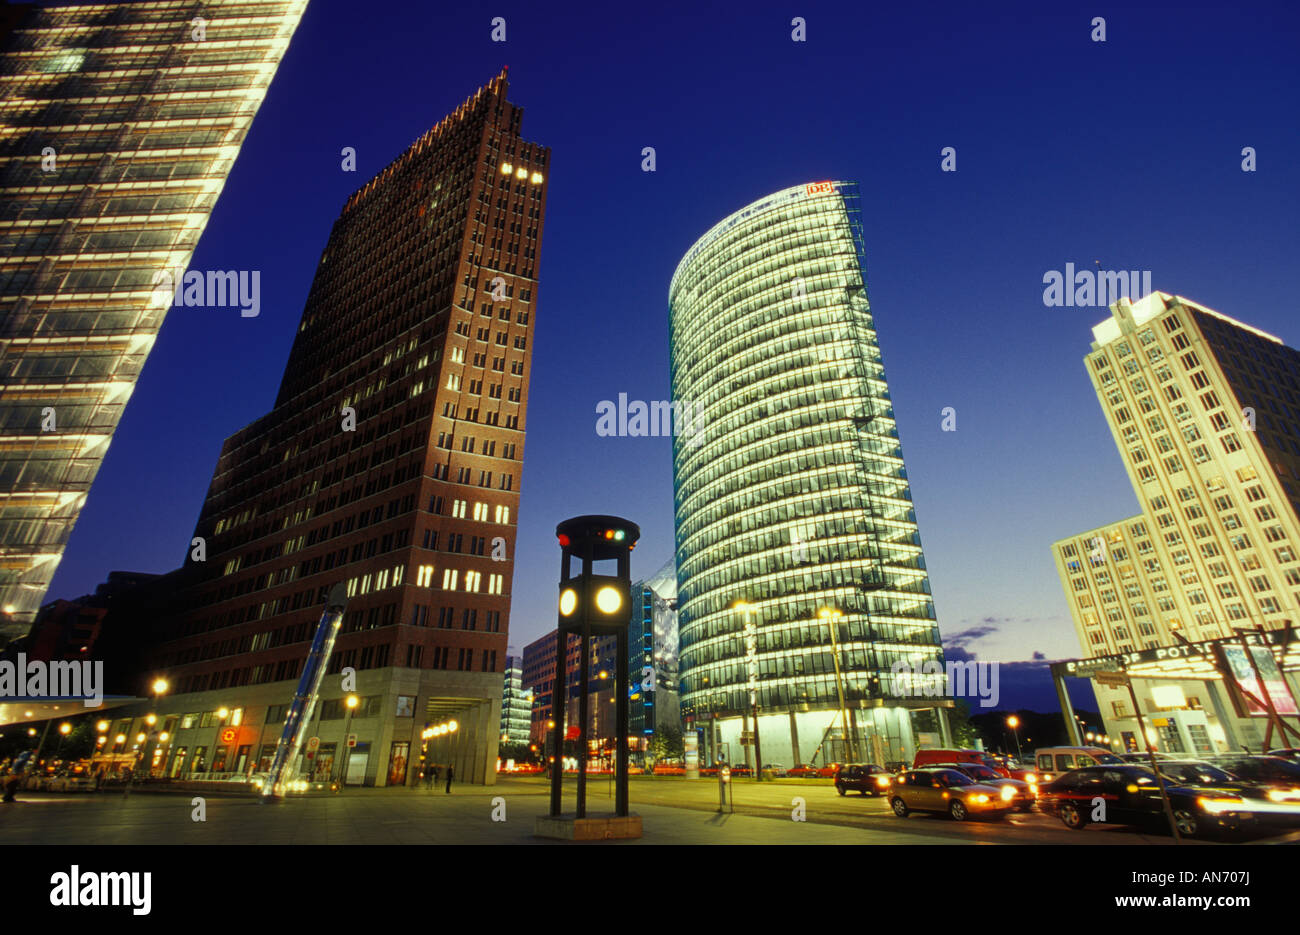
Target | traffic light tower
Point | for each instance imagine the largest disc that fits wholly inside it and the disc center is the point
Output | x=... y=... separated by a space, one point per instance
x=592 y=604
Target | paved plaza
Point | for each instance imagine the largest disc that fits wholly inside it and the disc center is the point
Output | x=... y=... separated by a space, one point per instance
x=673 y=811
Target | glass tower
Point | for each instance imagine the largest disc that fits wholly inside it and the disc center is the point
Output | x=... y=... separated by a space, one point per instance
x=798 y=554
x=120 y=122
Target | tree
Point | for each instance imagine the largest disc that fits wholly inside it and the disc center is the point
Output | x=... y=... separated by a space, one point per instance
x=667 y=743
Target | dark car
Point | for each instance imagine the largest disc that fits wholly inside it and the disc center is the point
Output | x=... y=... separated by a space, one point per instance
x=1278 y=774
x=1127 y=794
x=1025 y=793
x=1269 y=802
x=1142 y=758
x=864 y=778
x=1287 y=753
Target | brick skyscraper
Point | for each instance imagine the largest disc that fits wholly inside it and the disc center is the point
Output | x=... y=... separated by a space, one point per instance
x=391 y=461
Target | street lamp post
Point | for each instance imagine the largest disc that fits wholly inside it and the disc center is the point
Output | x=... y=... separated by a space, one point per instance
x=751 y=658
x=157 y=688
x=351 y=702
x=832 y=616
x=1014 y=723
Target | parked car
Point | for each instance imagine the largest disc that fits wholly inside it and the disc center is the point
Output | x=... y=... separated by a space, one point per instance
x=1141 y=758
x=1026 y=793
x=1127 y=794
x=1278 y=774
x=863 y=778
x=935 y=756
x=1287 y=753
x=802 y=771
x=947 y=790
x=1269 y=802
x=1053 y=761
x=776 y=769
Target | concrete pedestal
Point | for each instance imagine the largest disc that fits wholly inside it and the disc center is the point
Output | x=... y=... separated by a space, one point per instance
x=597 y=828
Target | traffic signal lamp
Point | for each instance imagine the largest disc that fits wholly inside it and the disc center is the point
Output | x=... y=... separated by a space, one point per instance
x=600 y=598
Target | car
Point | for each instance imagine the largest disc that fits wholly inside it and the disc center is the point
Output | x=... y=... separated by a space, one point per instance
x=1277 y=774
x=1266 y=802
x=1287 y=753
x=776 y=769
x=1026 y=793
x=1141 y=757
x=1053 y=761
x=802 y=771
x=863 y=778
x=741 y=769
x=947 y=790
x=1128 y=794
x=934 y=756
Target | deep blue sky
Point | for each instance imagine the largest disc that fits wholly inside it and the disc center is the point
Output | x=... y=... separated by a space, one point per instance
x=1127 y=152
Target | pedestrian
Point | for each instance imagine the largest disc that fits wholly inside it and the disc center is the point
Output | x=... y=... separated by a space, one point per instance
x=428 y=775
x=450 y=770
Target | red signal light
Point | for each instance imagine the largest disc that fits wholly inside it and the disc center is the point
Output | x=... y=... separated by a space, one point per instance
x=564 y=540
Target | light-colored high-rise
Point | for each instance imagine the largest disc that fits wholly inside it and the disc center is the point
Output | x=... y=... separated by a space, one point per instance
x=800 y=570
x=1205 y=411
x=119 y=123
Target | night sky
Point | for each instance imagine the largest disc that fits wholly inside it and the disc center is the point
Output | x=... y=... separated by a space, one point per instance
x=1126 y=152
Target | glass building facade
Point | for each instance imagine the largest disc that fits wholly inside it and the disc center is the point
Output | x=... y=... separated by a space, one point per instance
x=791 y=495
x=118 y=125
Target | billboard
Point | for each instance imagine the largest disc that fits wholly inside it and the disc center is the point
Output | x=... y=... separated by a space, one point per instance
x=1256 y=671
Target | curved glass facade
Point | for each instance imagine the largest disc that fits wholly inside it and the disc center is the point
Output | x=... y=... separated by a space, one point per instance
x=791 y=495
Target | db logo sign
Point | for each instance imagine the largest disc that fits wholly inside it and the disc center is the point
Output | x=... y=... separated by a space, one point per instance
x=820 y=188
x=228 y=735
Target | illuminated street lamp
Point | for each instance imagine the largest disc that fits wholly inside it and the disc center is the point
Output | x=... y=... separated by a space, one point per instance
x=350 y=702
x=1014 y=723
x=832 y=618
x=750 y=629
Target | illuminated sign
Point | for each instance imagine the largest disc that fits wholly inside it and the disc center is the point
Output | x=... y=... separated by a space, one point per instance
x=228 y=734
x=820 y=188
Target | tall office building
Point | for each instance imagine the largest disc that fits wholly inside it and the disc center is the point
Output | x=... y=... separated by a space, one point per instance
x=516 y=703
x=391 y=462
x=791 y=493
x=653 y=651
x=1205 y=412
x=119 y=123
x=539 y=670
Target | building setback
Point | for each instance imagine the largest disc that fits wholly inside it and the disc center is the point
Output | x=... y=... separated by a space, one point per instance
x=792 y=498
x=117 y=131
x=391 y=462
x=1205 y=411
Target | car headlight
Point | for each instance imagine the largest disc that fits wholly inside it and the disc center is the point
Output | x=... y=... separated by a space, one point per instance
x=1217 y=803
x=1008 y=793
x=981 y=798
x=1033 y=787
x=882 y=781
x=1031 y=778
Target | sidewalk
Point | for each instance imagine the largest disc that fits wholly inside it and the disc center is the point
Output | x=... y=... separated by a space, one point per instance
x=381 y=816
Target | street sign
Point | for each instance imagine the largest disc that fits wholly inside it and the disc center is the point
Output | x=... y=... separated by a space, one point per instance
x=1111 y=679
x=313 y=743
x=352 y=740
